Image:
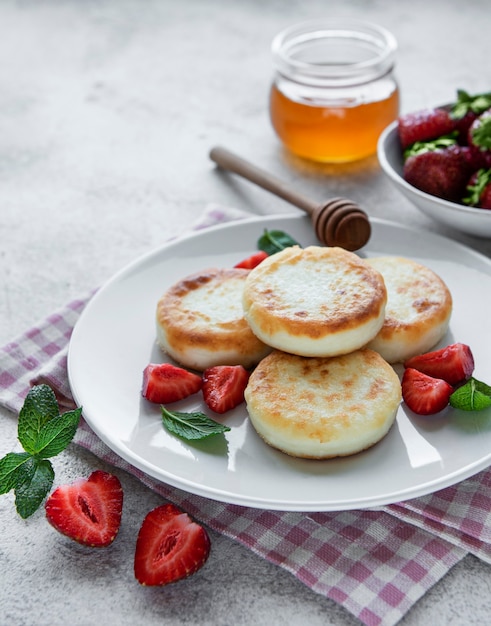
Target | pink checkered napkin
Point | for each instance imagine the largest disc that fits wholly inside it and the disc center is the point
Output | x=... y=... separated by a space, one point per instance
x=375 y=563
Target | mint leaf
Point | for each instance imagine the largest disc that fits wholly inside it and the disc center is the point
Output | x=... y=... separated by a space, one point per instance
x=474 y=395
x=43 y=433
x=273 y=241
x=40 y=406
x=191 y=426
x=56 y=434
x=37 y=479
x=10 y=470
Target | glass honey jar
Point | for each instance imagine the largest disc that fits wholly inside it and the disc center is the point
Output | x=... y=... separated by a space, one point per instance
x=334 y=89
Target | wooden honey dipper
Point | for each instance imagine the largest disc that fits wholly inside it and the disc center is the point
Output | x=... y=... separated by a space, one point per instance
x=337 y=222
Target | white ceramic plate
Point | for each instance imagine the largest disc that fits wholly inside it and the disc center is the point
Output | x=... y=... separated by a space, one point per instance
x=115 y=339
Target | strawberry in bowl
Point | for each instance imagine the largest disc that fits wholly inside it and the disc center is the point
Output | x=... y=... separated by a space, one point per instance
x=440 y=159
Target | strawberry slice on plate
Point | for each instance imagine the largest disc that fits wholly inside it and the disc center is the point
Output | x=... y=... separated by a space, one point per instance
x=164 y=383
x=88 y=510
x=252 y=261
x=170 y=547
x=424 y=394
x=224 y=386
x=454 y=363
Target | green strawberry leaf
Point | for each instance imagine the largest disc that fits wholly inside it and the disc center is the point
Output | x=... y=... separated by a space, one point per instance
x=481 y=135
x=467 y=103
x=191 y=426
x=40 y=406
x=420 y=147
x=483 y=179
x=474 y=395
x=11 y=470
x=56 y=434
x=37 y=479
x=272 y=241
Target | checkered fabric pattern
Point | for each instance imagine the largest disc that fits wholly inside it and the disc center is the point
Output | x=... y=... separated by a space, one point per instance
x=376 y=563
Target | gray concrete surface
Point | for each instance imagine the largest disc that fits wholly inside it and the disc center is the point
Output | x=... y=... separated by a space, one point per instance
x=107 y=112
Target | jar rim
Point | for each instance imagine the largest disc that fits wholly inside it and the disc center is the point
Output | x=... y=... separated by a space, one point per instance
x=379 y=43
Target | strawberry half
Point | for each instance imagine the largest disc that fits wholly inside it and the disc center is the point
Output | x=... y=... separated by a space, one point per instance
x=424 y=394
x=164 y=383
x=454 y=364
x=170 y=546
x=89 y=510
x=224 y=386
x=252 y=261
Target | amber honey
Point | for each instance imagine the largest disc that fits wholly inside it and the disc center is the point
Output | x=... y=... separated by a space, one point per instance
x=331 y=133
x=334 y=89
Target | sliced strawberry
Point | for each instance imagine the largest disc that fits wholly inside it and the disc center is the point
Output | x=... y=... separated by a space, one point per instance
x=253 y=261
x=164 y=383
x=424 y=125
x=223 y=387
x=89 y=510
x=424 y=394
x=454 y=364
x=170 y=546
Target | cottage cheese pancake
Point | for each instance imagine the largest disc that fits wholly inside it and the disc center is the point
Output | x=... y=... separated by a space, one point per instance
x=200 y=321
x=315 y=301
x=313 y=407
x=418 y=309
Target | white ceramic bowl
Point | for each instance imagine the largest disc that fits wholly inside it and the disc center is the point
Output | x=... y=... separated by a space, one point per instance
x=469 y=220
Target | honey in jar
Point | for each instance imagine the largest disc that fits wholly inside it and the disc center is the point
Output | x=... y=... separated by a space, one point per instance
x=334 y=89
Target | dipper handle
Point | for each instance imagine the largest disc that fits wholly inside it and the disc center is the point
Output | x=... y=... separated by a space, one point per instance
x=337 y=222
x=229 y=161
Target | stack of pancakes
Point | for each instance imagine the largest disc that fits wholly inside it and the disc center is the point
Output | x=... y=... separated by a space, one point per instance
x=321 y=326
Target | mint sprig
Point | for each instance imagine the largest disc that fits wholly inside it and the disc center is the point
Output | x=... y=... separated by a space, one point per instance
x=43 y=433
x=191 y=426
x=272 y=241
x=474 y=395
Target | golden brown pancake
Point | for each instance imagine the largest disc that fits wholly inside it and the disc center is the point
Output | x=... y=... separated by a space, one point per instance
x=315 y=301
x=418 y=310
x=319 y=408
x=200 y=321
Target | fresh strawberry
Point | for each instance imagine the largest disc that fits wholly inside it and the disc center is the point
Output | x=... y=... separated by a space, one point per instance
x=466 y=109
x=479 y=138
x=424 y=394
x=442 y=172
x=89 y=510
x=454 y=363
x=424 y=125
x=170 y=546
x=253 y=261
x=479 y=190
x=164 y=383
x=223 y=387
